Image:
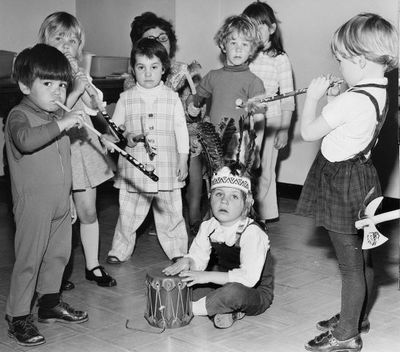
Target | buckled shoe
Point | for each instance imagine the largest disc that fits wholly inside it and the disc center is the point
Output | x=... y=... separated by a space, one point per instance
x=62 y=313
x=326 y=342
x=104 y=280
x=24 y=331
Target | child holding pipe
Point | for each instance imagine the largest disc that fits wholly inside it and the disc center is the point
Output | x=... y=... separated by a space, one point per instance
x=89 y=164
x=158 y=138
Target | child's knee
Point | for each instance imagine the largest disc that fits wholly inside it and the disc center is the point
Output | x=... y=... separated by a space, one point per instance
x=232 y=291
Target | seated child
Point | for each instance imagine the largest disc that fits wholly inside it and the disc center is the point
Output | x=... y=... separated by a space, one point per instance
x=240 y=280
x=39 y=157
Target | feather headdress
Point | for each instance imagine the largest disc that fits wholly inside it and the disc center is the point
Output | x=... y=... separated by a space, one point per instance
x=216 y=143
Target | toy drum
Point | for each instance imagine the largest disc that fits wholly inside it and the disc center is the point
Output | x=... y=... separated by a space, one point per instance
x=168 y=301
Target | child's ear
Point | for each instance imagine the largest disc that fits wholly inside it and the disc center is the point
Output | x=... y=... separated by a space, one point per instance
x=24 y=88
x=272 y=29
x=361 y=60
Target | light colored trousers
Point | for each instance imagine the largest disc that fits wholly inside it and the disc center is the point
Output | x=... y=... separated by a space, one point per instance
x=168 y=219
x=266 y=198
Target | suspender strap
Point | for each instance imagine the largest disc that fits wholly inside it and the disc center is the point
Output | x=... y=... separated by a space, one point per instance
x=380 y=117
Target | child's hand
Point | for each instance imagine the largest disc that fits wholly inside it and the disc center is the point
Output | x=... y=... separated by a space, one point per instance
x=318 y=87
x=193 y=277
x=180 y=265
x=133 y=139
x=71 y=119
x=182 y=171
x=81 y=83
x=107 y=140
x=281 y=139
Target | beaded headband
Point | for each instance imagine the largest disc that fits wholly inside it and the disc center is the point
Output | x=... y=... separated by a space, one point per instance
x=224 y=178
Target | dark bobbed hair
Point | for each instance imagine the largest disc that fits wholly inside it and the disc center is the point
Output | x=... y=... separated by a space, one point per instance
x=41 y=61
x=151 y=47
x=262 y=13
x=149 y=20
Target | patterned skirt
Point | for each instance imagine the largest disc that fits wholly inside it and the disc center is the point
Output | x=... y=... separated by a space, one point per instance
x=334 y=192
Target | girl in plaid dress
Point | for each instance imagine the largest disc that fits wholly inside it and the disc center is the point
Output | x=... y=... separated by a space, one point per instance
x=158 y=138
x=342 y=173
x=272 y=65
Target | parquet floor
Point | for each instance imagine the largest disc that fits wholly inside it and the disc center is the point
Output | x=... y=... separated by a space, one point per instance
x=307 y=287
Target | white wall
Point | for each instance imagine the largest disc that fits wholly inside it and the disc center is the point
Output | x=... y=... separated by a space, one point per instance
x=108 y=22
x=20 y=20
x=307 y=27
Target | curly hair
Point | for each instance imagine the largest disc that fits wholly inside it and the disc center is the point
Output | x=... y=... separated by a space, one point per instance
x=149 y=20
x=242 y=25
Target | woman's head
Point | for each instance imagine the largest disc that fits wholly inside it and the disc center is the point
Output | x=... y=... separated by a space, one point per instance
x=149 y=24
x=150 y=62
x=264 y=16
x=64 y=32
x=238 y=31
x=368 y=35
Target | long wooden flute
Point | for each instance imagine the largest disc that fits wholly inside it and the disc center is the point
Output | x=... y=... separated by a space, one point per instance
x=90 y=89
x=259 y=100
x=130 y=158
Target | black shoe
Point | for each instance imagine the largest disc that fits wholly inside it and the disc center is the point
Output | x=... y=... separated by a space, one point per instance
x=104 y=280
x=326 y=342
x=331 y=324
x=63 y=313
x=24 y=332
x=67 y=285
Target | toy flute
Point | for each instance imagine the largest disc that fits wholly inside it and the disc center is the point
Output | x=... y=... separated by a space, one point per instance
x=90 y=89
x=262 y=99
x=130 y=158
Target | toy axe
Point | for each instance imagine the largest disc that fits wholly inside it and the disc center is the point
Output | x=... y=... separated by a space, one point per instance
x=372 y=237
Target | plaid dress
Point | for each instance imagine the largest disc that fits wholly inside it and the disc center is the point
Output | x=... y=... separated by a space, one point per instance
x=160 y=125
x=334 y=192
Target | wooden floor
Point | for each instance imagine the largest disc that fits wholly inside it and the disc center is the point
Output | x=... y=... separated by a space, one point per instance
x=307 y=287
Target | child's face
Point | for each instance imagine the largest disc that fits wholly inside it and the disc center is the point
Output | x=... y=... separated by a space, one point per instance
x=237 y=49
x=148 y=71
x=227 y=205
x=265 y=34
x=66 y=42
x=45 y=92
x=351 y=69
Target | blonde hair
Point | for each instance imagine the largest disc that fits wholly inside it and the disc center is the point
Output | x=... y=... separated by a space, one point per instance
x=369 y=35
x=243 y=25
x=62 y=22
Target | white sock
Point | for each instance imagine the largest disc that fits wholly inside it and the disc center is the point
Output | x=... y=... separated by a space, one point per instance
x=90 y=243
x=199 y=307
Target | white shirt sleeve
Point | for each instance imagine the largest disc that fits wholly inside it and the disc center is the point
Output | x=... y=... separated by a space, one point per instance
x=200 y=248
x=254 y=246
x=181 y=131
